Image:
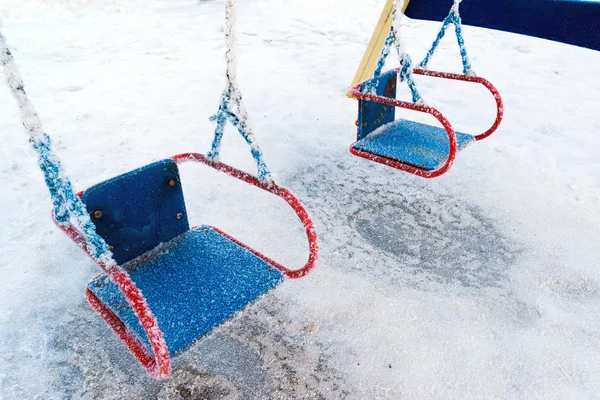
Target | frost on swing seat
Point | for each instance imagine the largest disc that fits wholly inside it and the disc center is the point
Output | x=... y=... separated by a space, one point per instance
x=408 y=142
x=191 y=284
x=192 y=279
x=414 y=143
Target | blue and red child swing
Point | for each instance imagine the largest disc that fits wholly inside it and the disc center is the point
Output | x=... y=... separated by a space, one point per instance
x=420 y=149
x=426 y=150
x=164 y=284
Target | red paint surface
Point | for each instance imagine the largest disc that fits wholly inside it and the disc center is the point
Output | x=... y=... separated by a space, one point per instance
x=357 y=94
x=277 y=190
x=157 y=364
x=475 y=79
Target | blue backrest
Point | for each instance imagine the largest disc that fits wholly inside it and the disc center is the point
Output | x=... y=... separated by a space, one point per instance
x=136 y=211
x=372 y=115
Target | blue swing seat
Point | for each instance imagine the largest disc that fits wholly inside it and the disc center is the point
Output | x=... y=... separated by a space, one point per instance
x=421 y=145
x=379 y=133
x=192 y=279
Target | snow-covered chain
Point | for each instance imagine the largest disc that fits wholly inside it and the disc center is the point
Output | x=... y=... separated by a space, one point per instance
x=403 y=56
x=232 y=97
x=70 y=212
x=452 y=18
x=68 y=208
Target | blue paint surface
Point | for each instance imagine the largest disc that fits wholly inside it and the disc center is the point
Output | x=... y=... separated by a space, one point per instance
x=139 y=209
x=372 y=115
x=421 y=145
x=191 y=284
x=571 y=22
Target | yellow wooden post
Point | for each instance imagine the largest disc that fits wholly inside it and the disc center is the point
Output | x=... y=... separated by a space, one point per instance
x=367 y=65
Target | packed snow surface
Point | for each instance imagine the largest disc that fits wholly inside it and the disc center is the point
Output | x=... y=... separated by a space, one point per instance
x=481 y=284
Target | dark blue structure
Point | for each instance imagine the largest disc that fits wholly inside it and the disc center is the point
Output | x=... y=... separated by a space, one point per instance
x=575 y=22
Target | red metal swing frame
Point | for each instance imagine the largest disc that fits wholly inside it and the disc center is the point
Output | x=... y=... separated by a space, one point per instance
x=356 y=92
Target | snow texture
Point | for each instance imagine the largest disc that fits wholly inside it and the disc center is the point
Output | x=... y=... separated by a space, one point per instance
x=483 y=283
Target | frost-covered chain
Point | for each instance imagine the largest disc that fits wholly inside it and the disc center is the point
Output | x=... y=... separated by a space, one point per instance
x=385 y=52
x=68 y=208
x=403 y=56
x=372 y=83
x=232 y=98
x=452 y=18
x=70 y=212
x=230 y=59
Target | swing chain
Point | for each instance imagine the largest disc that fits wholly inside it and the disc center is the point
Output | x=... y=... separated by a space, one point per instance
x=231 y=107
x=452 y=18
x=455 y=7
x=404 y=58
x=68 y=208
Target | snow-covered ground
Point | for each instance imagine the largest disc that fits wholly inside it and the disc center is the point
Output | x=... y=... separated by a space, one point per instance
x=481 y=284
